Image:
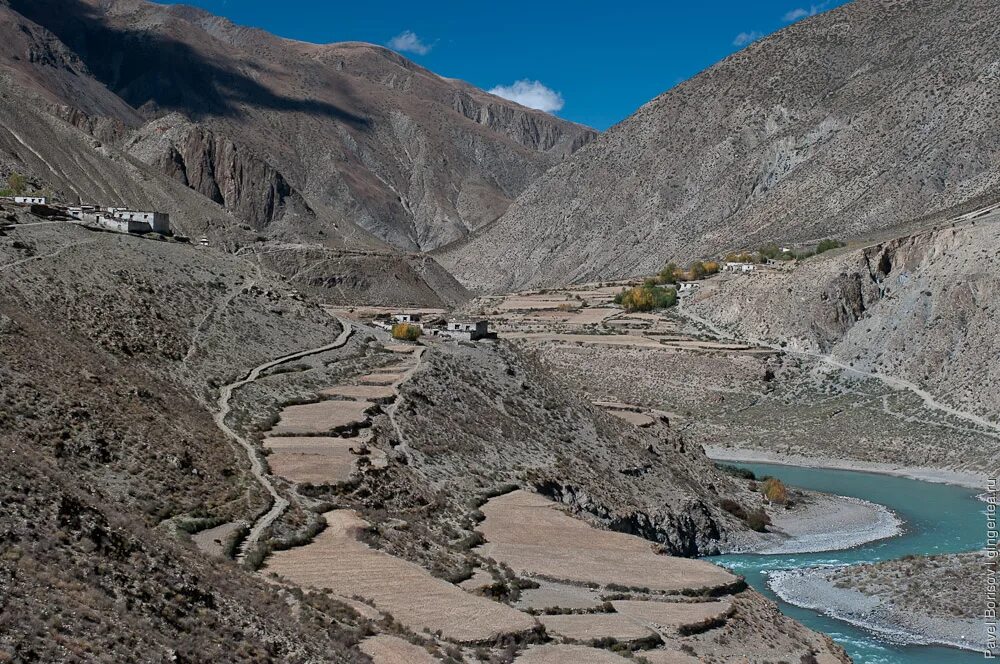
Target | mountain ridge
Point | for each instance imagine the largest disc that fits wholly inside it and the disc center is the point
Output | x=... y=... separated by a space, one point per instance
x=849 y=122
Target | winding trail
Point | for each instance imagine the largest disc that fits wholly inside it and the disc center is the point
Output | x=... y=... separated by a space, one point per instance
x=898 y=383
x=248 y=283
x=390 y=410
x=256 y=464
x=39 y=257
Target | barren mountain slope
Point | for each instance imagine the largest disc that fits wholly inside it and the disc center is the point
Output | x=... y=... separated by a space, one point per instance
x=349 y=132
x=858 y=119
x=921 y=308
x=111 y=346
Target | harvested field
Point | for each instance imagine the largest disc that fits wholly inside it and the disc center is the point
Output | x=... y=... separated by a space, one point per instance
x=567 y=654
x=338 y=561
x=665 y=656
x=550 y=595
x=633 y=340
x=595 y=626
x=385 y=649
x=318 y=459
x=366 y=392
x=377 y=378
x=584 y=316
x=535 y=537
x=638 y=419
x=479 y=579
x=210 y=541
x=400 y=348
x=537 y=302
x=322 y=416
x=673 y=616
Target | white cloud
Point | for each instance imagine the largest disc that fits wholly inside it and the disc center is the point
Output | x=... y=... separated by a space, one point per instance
x=745 y=38
x=532 y=94
x=805 y=12
x=407 y=41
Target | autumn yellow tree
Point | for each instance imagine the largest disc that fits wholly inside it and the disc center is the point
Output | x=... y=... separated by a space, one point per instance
x=406 y=332
x=775 y=491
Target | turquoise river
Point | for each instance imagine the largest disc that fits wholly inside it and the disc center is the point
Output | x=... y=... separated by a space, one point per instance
x=939 y=518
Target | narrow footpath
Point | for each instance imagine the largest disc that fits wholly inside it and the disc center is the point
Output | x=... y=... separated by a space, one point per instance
x=256 y=464
x=891 y=381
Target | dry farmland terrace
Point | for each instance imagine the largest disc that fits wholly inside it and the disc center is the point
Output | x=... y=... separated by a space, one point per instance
x=737 y=398
x=544 y=585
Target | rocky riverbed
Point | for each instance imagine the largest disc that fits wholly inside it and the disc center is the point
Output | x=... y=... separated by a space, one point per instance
x=916 y=599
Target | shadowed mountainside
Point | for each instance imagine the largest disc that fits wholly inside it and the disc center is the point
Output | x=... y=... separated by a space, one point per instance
x=349 y=133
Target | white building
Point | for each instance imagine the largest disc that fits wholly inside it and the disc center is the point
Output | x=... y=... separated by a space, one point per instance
x=122 y=220
x=738 y=267
x=30 y=200
x=413 y=319
x=686 y=287
x=158 y=222
x=78 y=211
x=119 y=225
x=467 y=330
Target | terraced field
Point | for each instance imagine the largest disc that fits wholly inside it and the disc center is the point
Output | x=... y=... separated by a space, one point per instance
x=534 y=537
x=337 y=560
x=300 y=452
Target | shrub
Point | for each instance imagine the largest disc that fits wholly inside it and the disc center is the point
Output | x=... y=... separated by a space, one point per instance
x=406 y=332
x=16 y=183
x=775 y=491
x=758 y=520
x=736 y=471
x=734 y=508
x=828 y=244
x=668 y=275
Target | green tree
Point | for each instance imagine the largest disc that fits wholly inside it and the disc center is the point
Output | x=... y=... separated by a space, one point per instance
x=668 y=275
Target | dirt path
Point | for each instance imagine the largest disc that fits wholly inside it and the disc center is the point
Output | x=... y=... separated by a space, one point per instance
x=256 y=464
x=390 y=410
x=199 y=329
x=897 y=383
x=51 y=254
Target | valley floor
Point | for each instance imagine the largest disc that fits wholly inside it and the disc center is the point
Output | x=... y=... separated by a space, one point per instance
x=744 y=401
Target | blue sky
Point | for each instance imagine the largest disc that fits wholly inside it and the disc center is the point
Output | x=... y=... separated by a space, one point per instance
x=587 y=61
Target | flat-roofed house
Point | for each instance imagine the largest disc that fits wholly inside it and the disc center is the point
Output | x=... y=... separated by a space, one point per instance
x=471 y=330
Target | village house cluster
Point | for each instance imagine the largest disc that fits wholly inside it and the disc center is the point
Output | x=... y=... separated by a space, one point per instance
x=738 y=267
x=457 y=329
x=121 y=220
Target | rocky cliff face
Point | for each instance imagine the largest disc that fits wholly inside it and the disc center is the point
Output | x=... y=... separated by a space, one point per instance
x=847 y=123
x=217 y=168
x=922 y=307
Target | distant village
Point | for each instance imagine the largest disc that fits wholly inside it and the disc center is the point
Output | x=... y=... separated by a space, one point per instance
x=119 y=220
x=455 y=329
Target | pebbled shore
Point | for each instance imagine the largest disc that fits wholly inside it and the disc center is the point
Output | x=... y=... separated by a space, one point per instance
x=829 y=523
x=813 y=588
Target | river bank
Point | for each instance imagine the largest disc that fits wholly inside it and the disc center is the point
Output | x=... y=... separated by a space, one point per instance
x=818 y=589
x=924 y=474
x=939 y=518
x=829 y=523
